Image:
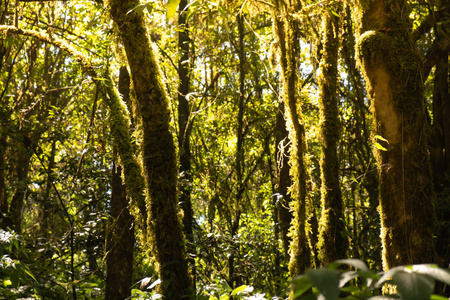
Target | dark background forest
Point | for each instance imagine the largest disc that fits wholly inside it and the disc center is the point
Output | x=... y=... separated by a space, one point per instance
x=185 y=149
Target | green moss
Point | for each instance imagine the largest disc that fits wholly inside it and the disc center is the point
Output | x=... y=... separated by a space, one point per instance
x=370 y=47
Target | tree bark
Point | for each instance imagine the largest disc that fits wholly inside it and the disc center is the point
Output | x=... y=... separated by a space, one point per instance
x=158 y=151
x=332 y=240
x=392 y=70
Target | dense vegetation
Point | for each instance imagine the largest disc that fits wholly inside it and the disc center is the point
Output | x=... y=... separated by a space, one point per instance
x=224 y=148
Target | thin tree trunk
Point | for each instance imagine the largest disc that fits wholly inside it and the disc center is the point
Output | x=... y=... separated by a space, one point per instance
x=239 y=150
x=17 y=201
x=3 y=199
x=287 y=32
x=46 y=204
x=282 y=144
x=184 y=134
x=393 y=72
x=119 y=260
x=332 y=241
x=158 y=151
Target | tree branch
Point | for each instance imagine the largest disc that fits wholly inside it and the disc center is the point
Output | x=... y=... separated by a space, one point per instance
x=429 y=22
x=437 y=50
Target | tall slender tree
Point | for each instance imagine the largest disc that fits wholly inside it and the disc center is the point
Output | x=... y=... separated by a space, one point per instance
x=120 y=248
x=287 y=31
x=332 y=240
x=158 y=151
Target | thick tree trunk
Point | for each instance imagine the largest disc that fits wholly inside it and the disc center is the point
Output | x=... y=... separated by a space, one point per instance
x=158 y=152
x=393 y=74
x=332 y=241
x=287 y=32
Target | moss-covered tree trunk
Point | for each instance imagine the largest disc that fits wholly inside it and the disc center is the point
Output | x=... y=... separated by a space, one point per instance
x=332 y=240
x=184 y=132
x=392 y=68
x=121 y=239
x=158 y=151
x=287 y=33
x=283 y=178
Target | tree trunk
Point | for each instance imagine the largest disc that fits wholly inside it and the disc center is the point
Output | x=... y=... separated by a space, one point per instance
x=332 y=240
x=283 y=179
x=287 y=32
x=121 y=241
x=17 y=201
x=392 y=68
x=184 y=134
x=158 y=152
x=119 y=271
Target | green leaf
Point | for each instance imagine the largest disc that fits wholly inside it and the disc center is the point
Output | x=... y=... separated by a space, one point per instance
x=7 y=283
x=171 y=6
x=414 y=286
x=433 y=271
x=300 y=285
x=326 y=281
x=378 y=146
x=241 y=289
x=379 y=137
x=437 y=297
x=346 y=277
x=141 y=7
x=356 y=263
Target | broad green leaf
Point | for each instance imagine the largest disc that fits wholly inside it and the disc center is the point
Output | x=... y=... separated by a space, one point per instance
x=390 y=273
x=326 y=281
x=414 y=286
x=300 y=285
x=346 y=277
x=356 y=263
x=171 y=6
x=433 y=271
